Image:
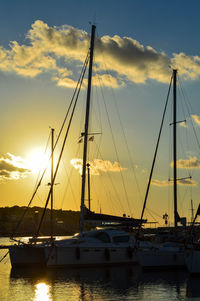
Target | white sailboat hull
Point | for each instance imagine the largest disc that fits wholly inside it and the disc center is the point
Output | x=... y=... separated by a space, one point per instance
x=92 y=248
x=159 y=258
x=88 y=256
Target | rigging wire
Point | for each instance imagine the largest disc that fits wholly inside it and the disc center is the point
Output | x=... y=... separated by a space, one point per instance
x=34 y=193
x=112 y=184
x=69 y=184
x=182 y=148
x=148 y=209
x=97 y=148
x=100 y=155
x=155 y=154
x=189 y=110
x=188 y=106
x=100 y=124
x=61 y=152
x=124 y=136
x=180 y=151
x=79 y=83
x=39 y=173
x=112 y=135
x=151 y=212
x=116 y=152
x=69 y=175
x=2 y=258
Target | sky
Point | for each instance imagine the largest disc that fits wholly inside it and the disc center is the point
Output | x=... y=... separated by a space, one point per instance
x=43 y=45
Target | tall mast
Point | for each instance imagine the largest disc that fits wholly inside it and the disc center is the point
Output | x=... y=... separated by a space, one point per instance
x=174 y=148
x=87 y=113
x=52 y=148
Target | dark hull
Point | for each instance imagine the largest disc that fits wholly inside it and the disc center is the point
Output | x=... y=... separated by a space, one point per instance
x=26 y=256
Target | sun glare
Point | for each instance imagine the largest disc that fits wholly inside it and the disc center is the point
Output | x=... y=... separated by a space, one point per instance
x=37 y=160
x=42 y=292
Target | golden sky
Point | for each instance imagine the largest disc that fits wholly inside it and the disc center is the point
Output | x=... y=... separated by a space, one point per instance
x=40 y=62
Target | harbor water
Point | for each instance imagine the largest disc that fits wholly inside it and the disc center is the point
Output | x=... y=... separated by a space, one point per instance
x=87 y=284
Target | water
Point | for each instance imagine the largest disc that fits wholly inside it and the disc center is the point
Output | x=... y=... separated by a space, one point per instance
x=92 y=284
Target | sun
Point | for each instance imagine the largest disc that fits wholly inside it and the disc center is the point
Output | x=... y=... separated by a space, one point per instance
x=37 y=160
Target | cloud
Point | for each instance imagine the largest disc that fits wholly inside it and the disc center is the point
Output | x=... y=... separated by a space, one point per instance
x=196 y=119
x=182 y=182
x=11 y=167
x=160 y=183
x=107 y=80
x=45 y=47
x=131 y=59
x=183 y=124
x=61 y=50
x=188 y=66
x=190 y=163
x=98 y=165
x=65 y=82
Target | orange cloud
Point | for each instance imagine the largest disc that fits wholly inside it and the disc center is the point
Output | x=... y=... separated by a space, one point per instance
x=183 y=124
x=160 y=183
x=98 y=165
x=190 y=163
x=196 y=119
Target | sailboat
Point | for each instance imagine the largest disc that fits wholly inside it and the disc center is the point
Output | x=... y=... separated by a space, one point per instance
x=169 y=254
x=102 y=246
x=95 y=247
x=192 y=248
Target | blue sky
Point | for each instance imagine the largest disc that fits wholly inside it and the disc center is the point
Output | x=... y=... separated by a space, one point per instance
x=170 y=26
x=139 y=40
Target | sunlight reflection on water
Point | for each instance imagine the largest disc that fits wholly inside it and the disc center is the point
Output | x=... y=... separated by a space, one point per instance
x=42 y=292
x=128 y=283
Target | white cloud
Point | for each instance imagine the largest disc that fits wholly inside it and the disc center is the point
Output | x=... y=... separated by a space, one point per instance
x=12 y=167
x=188 y=66
x=182 y=182
x=65 y=82
x=107 y=80
x=126 y=58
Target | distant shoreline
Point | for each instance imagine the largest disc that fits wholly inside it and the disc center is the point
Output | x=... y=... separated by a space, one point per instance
x=66 y=222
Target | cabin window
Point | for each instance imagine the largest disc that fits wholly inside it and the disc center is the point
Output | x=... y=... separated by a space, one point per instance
x=124 y=238
x=104 y=237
